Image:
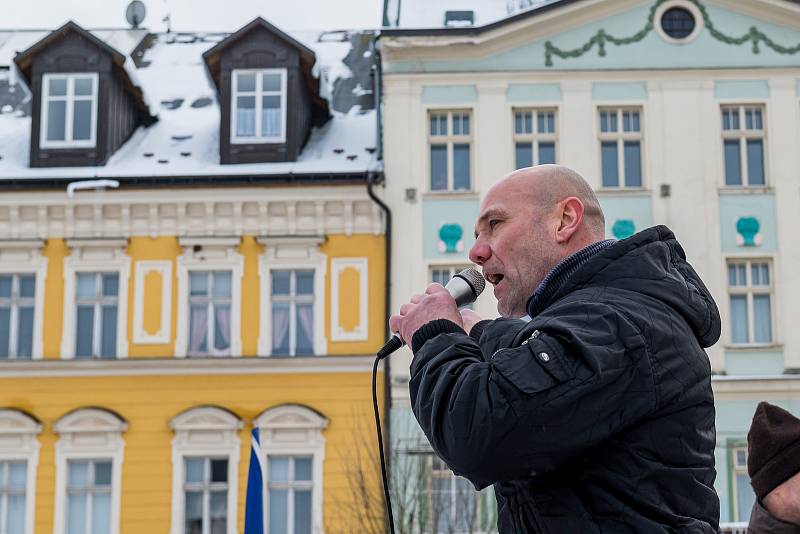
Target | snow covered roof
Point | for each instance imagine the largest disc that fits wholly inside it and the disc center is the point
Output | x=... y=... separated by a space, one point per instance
x=184 y=142
x=432 y=14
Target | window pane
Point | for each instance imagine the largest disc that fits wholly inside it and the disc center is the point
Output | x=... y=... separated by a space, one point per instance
x=741 y=270
x=278 y=467
x=731 y=275
x=110 y=285
x=461 y=170
x=735 y=118
x=16 y=514
x=758 y=122
x=305 y=329
x=608 y=155
x=547 y=153
x=194 y=469
x=57 y=87
x=541 y=125
x=87 y=286
x=726 y=119
x=636 y=125
x=281 y=282
x=738 y=319
x=302 y=469
x=305 y=282
x=465 y=124
x=101 y=513
x=280 y=328
x=762 y=319
x=278 y=511
x=443 y=124
x=440 y=276
x=222 y=327
x=222 y=284
x=302 y=512
x=745 y=497
x=755 y=161
x=219 y=470
x=25 y=332
x=456 y=124
x=733 y=163
x=438 y=167
x=78 y=474
x=83 y=86
x=528 y=122
x=603 y=121
x=76 y=513
x=434 y=130
x=741 y=458
x=524 y=155
x=246 y=116
x=748 y=119
x=246 y=81
x=518 y=123
x=84 y=331
x=626 y=121
x=17 y=474
x=612 y=121
x=271 y=82
x=5 y=331
x=633 y=164
x=82 y=120
x=761 y=274
x=271 y=117
x=109 y=332
x=102 y=473
x=27 y=286
x=194 y=512
x=56 y=120
x=198 y=329
x=218 y=511
x=198 y=284
x=5 y=286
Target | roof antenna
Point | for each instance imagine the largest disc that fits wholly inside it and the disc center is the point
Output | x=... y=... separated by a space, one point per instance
x=134 y=14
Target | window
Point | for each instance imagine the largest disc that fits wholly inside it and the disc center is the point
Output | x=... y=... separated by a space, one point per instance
x=97 y=296
x=453 y=504
x=750 y=289
x=449 y=139
x=17 y=292
x=441 y=274
x=743 y=138
x=621 y=147
x=69 y=110
x=743 y=496
x=205 y=495
x=13 y=481
x=209 y=313
x=258 y=106
x=534 y=137
x=289 y=493
x=89 y=497
x=292 y=312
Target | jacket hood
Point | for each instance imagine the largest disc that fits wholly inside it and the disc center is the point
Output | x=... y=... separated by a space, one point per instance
x=653 y=263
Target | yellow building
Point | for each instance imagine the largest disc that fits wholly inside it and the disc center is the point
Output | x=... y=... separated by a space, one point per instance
x=188 y=250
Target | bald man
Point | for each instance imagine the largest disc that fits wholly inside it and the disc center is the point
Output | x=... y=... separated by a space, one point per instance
x=596 y=415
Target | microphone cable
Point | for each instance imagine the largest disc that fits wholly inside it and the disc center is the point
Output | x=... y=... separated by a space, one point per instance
x=381 y=355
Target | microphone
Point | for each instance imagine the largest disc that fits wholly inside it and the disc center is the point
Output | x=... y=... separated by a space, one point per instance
x=464 y=287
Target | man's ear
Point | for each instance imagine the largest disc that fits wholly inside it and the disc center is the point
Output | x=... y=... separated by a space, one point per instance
x=571 y=209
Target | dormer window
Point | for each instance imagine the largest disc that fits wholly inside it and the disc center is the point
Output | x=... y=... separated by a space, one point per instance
x=69 y=110
x=258 y=106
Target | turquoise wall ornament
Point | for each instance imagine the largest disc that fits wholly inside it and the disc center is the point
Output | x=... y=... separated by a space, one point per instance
x=747 y=228
x=450 y=235
x=623 y=228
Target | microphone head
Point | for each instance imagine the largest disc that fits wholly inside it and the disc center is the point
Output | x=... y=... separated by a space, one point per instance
x=474 y=279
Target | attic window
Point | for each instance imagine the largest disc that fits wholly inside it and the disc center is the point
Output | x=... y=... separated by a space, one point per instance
x=258 y=106
x=69 y=110
x=678 y=21
x=459 y=18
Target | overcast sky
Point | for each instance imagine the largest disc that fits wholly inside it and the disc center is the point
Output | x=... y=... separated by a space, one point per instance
x=195 y=15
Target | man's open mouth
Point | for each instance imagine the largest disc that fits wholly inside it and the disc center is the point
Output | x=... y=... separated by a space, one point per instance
x=493 y=279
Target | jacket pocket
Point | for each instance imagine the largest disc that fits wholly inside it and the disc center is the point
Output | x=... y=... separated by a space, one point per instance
x=536 y=366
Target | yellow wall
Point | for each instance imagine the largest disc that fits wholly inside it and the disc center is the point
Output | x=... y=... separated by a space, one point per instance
x=251 y=312
x=371 y=247
x=55 y=250
x=149 y=402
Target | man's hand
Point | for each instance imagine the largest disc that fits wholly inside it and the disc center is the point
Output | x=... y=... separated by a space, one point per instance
x=436 y=303
x=469 y=318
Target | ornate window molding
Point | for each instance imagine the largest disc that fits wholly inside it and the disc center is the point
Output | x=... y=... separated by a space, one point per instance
x=685 y=5
x=209 y=254
x=295 y=430
x=143 y=269
x=24 y=257
x=204 y=431
x=340 y=266
x=18 y=441
x=95 y=255
x=89 y=434
x=291 y=253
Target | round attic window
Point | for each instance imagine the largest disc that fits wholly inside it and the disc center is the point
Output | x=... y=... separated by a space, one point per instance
x=678 y=21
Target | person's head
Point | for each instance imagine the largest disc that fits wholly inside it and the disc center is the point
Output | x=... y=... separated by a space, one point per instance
x=528 y=222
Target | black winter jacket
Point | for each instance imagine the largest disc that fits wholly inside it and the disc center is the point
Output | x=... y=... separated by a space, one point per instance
x=597 y=415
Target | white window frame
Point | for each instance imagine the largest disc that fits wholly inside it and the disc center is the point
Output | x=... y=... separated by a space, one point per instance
x=205 y=431
x=97 y=303
x=735 y=469
x=361 y=266
x=19 y=442
x=211 y=302
x=446 y=474
x=749 y=290
x=258 y=93
x=24 y=257
x=742 y=135
x=449 y=140
x=294 y=430
x=298 y=253
x=101 y=256
x=89 y=434
x=209 y=254
x=620 y=137
x=70 y=100
x=15 y=302
x=534 y=137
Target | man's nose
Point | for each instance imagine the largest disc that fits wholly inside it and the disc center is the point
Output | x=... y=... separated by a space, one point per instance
x=479 y=252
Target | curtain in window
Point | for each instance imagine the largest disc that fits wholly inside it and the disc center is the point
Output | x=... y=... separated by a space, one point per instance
x=271 y=122
x=280 y=328
x=198 y=330
x=762 y=319
x=305 y=329
x=222 y=338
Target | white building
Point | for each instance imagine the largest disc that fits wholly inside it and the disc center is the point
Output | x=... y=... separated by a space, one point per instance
x=678 y=112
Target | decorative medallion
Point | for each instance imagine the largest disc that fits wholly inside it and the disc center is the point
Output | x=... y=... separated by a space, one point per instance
x=747 y=229
x=450 y=235
x=623 y=228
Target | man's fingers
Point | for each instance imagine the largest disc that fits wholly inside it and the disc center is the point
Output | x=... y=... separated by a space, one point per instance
x=394 y=323
x=416 y=299
x=407 y=307
x=434 y=288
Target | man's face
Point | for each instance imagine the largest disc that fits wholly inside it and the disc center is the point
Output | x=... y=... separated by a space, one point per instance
x=514 y=244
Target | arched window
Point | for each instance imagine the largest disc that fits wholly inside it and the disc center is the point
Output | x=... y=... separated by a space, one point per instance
x=19 y=456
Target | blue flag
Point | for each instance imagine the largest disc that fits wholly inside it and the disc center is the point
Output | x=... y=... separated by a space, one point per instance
x=254 y=505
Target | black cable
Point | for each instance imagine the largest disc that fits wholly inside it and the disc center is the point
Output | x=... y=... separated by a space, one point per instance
x=380 y=443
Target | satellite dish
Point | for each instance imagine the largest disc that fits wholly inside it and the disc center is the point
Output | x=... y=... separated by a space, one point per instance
x=135 y=13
